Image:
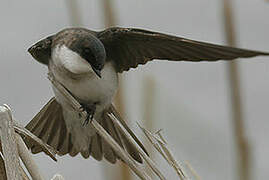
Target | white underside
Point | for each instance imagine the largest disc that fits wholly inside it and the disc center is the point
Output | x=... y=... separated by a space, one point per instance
x=77 y=76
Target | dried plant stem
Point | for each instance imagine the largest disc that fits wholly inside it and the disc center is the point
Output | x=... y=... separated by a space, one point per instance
x=161 y=146
x=139 y=149
x=74 y=12
x=20 y=148
x=3 y=175
x=101 y=131
x=109 y=15
x=148 y=102
x=243 y=149
x=27 y=159
x=170 y=157
x=193 y=172
x=34 y=139
x=3 y=171
x=9 y=147
x=23 y=174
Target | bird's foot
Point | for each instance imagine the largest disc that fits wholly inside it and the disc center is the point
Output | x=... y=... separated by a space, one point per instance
x=90 y=110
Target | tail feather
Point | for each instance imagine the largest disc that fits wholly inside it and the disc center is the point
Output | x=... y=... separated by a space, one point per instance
x=65 y=144
x=108 y=152
x=62 y=141
x=85 y=153
x=54 y=135
x=73 y=152
x=49 y=125
x=36 y=149
x=54 y=142
x=96 y=148
x=35 y=125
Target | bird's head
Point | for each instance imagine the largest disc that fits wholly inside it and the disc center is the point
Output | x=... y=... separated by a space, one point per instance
x=89 y=48
x=77 y=44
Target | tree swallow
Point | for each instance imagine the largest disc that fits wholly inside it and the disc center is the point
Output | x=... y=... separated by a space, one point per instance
x=87 y=64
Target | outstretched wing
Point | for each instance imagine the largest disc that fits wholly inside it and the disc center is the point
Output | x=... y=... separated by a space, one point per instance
x=41 y=50
x=130 y=47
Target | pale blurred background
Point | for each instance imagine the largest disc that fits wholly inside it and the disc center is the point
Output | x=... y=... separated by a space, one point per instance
x=191 y=101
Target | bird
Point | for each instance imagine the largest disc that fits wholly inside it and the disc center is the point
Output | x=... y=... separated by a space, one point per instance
x=87 y=64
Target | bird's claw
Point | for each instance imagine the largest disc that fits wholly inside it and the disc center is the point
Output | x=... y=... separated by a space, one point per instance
x=90 y=110
x=88 y=119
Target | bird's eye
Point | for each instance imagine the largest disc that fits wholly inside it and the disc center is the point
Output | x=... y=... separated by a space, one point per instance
x=87 y=50
x=88 y=54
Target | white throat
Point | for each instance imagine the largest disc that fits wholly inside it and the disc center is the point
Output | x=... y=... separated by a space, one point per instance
x=70 y=60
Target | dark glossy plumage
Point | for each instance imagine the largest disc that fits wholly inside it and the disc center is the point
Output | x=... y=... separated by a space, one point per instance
x=130 y=47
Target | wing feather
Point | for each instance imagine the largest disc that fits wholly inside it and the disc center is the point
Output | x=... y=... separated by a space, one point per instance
x=130 y=47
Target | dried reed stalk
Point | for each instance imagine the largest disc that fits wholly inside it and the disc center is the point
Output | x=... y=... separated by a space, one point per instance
x=26 y=158
x=242 y=143
x=23 y=174
x=25 y=133
x=73 y=12
x=9 y=147
x=3 y=171
x=16 y=146
x=148 y=102
x=109 y=13
x=160 y=145
x=193 y=172
x=151 y=164
x=3 y=175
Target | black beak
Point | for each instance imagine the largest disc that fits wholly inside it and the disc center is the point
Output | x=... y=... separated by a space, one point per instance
x=97 y=72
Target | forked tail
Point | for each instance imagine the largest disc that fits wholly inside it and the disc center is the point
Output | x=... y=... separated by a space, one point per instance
x=49 y=125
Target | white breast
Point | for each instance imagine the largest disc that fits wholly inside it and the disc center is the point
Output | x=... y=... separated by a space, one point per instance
x=77 y=76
